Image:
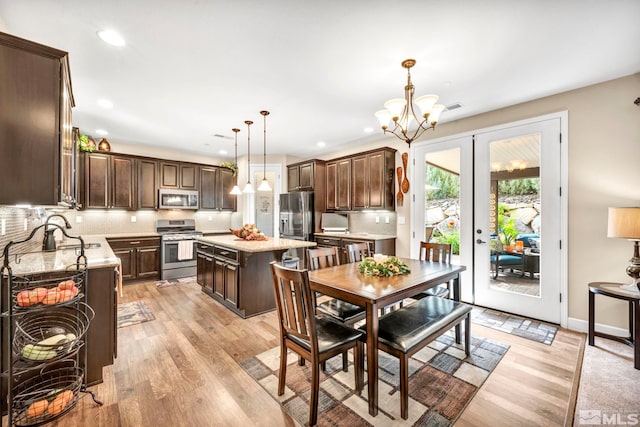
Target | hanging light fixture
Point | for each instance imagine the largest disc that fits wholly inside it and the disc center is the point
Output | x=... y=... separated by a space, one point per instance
x=236 y=190
x=402 y=113
x=264 y=185
x=248 y=188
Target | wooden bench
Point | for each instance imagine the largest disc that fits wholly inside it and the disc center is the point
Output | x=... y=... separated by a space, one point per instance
x=407 y=330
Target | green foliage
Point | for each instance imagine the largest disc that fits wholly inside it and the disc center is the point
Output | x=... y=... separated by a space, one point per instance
x=452 y=238
x=83 y=144
x=448 y=184
x=506 y=226
x=230 y=165
x=519 y=187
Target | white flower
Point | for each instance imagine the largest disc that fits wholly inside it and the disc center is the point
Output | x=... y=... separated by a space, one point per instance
x=379 y=258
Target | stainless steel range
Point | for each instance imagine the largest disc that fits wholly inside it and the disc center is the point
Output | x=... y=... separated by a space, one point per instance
x=178 y=247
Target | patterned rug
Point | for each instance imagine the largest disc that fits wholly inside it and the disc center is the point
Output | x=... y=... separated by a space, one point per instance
x=520 y=326
x=132 y=313
x=442 y=382
x=175 y=282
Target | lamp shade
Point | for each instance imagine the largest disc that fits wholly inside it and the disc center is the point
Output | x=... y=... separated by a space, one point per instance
x=624 y=223
x=384 y=116
x=395 y=107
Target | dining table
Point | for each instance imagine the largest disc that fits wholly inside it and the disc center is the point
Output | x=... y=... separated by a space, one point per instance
x=347 y=283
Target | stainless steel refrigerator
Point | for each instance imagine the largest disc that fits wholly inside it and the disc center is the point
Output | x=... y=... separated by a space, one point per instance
x=296 y=215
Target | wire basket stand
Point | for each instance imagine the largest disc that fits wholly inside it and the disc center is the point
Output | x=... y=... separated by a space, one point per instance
x=45 y=319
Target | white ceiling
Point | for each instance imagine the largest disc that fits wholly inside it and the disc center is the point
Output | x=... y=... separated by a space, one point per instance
x=192 y=69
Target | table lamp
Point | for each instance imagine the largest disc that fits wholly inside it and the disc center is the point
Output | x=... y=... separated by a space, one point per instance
x=625 y=223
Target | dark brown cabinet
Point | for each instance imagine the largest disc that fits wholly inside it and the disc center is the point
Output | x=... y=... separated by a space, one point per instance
x=101 y=338
x=108 y=181
x=178 y=175
x=372 y=180
x=204 y=270
x=305 y=176
x=37 y=150
x=215 y=185
x=139 y=257
x=147 y=184
x=218 y=273
x=338 y=187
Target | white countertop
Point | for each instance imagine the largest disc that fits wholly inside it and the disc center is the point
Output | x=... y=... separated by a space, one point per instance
x=60 y=259
x=271 y=244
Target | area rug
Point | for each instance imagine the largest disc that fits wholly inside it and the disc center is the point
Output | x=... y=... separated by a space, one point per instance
x=442 y=382
x=609 y=386
x=132 y=313
x=515 y=325
x=175 y=282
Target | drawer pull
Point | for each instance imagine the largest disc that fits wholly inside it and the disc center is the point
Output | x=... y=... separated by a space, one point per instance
x=224 y=253
x=135 y=243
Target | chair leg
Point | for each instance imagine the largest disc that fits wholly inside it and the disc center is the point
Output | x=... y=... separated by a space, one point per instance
x=358 y=362
x=315 y=390
x=404 y=386
x=345 y=361
x=300 y=361
x=283 y=369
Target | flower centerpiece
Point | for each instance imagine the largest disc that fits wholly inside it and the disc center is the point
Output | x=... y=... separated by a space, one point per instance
x=382 y=265
x=248 y=232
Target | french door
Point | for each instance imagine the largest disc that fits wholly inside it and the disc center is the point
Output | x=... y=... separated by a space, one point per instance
x=509 y=181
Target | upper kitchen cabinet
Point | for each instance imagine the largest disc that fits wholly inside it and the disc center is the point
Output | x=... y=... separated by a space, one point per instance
x=147 y=184
x=178 y=175
x=35 y=124
x=372 y=180
x=305 y=176
x=215 y=185
x=338 y=187
x=108 y=181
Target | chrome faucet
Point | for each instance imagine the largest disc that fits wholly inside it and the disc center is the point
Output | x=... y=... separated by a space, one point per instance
x=49 y=242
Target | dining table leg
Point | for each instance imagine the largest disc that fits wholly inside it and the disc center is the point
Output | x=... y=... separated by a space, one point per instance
x=372 y=357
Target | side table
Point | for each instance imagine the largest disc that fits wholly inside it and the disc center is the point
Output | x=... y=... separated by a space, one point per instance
x=613 y=290
x=531 y=263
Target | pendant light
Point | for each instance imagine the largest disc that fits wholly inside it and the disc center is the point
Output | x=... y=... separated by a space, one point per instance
x=236 y=190
x=248 y=188
x=264 y=185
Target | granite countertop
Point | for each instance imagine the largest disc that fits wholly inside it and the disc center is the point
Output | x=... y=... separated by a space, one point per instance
x=271 y=244
x=124 y=235
x=65 y=256
x=366 y=236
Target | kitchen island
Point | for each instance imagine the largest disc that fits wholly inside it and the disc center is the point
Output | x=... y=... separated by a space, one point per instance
x=236 y=273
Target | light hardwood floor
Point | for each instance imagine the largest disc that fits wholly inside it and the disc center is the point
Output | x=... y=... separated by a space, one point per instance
x=182 y=370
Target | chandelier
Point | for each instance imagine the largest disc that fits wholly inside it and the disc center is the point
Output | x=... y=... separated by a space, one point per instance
x=402 y=113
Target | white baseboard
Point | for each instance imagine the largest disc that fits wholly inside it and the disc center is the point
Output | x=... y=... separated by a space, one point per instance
x=583 y=326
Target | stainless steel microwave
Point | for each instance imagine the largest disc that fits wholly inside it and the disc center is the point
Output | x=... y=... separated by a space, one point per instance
x=177 y=199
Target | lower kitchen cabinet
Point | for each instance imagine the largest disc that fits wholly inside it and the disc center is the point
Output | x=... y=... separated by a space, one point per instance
x=101 y=339
x=140 y=257
x=239 y=280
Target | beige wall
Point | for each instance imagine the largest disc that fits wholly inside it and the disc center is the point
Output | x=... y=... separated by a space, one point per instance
x=604 y=148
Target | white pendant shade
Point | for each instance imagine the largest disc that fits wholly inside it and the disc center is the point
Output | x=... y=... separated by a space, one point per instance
x=384 y=116
x=264 y=185
x=248 y=189
x=435 y=113
x=395 y=106
x=235 y=190
x=425 y=103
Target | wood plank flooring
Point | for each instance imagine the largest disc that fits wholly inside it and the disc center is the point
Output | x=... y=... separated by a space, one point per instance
x=182 y=370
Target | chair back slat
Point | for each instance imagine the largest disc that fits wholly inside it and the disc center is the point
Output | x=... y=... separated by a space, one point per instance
x=323 y=257
x=294 y=302
x=357 y=251
x=435 y=252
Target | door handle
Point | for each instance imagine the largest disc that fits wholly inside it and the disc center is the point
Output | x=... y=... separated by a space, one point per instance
x=479 y=241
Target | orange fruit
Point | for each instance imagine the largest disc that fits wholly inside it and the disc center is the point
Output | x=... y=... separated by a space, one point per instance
x=23 y=298
x=37 y=295
x=51 y=297
x=37 y=407
x=67 y=284
x=65 y=295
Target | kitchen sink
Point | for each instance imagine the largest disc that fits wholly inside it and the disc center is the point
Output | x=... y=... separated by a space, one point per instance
x=77 y=246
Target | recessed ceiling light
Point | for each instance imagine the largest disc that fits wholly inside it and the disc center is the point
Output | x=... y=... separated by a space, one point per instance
x=368 y=130
x=321 y=144
x=111 y=37
x=102 y=132
x=222 y=152
x=105 y=103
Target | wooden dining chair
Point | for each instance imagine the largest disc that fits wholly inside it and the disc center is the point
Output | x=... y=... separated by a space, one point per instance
x=334 y=308
x=435 y=252
x=357 y=251
x=312 y=337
